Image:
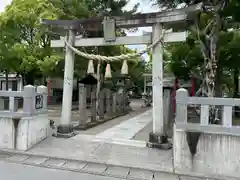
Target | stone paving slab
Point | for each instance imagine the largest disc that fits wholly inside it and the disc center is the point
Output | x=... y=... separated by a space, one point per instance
x=18 y=158
x=163 y=176
x=128 y=128
x=116 y=171
x=194 y=178
x=34 y=160
x=54 y=163
x=128 y=156
x=94 y=168
x=4 y=155
x=140 y=174
x=74 y=165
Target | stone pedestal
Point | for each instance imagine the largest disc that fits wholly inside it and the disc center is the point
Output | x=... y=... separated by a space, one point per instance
x=157 y=139
x=65 y=131
x=32 y=130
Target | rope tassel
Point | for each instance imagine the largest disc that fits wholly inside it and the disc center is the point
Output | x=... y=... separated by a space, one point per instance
x=108 y=73
x=124 y=69
x=90 y=69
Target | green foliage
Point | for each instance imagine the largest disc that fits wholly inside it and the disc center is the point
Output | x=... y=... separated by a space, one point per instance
x=25 y=43
x=25 y=39
x=190 y=57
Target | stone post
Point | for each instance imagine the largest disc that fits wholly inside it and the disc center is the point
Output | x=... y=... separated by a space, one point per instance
x=166 y=106
x=114 y=103
x=181 y=109
x=82 y=105
x=118 y=104
x=13 y=104
x=108 y=103
x=157 y=82
x=88 y=94
x=93 y=104
x=44 y=91
x=101 y=104
x=65 y=128
x=29 y=99
x=121 y=100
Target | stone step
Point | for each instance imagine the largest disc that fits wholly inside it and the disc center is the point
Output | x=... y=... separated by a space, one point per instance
x=91 y=168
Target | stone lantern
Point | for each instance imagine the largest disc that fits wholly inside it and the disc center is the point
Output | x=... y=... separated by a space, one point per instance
x=123 y=85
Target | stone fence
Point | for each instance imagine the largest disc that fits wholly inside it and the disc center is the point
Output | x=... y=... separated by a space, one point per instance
x=23 y=128
x=111 y=105
x=203 y=148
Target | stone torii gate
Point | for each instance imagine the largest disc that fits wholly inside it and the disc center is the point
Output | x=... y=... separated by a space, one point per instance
x=159 y=21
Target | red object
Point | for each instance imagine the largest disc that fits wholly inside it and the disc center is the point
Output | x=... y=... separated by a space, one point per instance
x=49 y=90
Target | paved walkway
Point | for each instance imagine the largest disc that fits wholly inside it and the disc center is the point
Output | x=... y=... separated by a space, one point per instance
x=128 y=128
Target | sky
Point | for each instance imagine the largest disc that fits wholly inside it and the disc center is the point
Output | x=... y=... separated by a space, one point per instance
x=3 y=3
x=144 y=7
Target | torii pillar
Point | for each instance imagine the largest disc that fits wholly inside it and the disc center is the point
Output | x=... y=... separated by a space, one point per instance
x=65 y=128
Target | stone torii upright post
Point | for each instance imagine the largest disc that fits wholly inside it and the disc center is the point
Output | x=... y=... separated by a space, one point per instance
x=158 y=21
x=65 y=128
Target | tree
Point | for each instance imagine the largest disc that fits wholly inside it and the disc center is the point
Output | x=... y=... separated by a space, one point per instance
x=31 y=45
x=217 y=16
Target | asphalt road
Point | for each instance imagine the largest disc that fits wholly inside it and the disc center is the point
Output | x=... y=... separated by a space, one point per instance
x=11 y=171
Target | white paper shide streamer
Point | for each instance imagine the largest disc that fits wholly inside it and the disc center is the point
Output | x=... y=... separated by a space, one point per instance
x=108 y=73
x=90 y=69
x=124 y=69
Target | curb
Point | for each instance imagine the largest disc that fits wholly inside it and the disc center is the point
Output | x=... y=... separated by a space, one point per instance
x=10 y=154
x=179 y=175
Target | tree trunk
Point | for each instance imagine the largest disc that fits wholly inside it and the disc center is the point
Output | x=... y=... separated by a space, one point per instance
x=7 y=79
x=209 y=51
x=29 y=78
x=218 y=83
x=236 y=82
x=236 y=90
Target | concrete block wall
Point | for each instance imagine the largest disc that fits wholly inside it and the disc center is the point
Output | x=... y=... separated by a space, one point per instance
x=7 y=133
x=217 y=154
x=23 y=129
x=206 y=149
x=32 y=130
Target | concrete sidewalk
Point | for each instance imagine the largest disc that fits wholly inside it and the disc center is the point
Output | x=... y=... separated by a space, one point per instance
x=100 y=152
x=100 y=158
